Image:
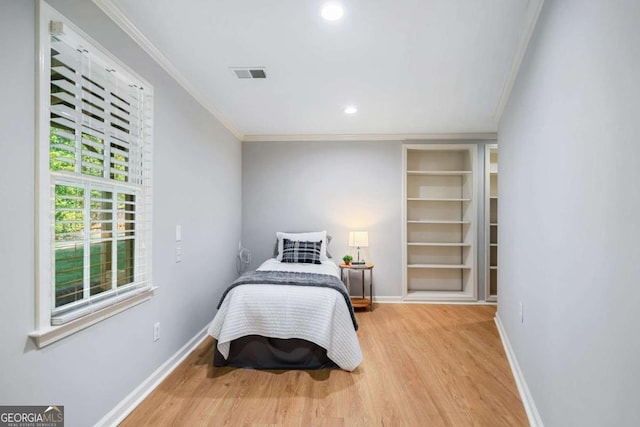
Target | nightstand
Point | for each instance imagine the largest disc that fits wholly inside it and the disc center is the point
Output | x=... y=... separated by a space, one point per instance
x=363 y=302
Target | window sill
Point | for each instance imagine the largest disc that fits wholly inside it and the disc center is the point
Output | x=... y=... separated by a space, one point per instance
x=46 y=336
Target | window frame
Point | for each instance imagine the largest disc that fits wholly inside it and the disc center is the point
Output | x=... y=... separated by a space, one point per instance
x=143 y=289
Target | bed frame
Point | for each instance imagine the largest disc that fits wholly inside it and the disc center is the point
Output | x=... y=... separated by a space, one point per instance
x=258 y=352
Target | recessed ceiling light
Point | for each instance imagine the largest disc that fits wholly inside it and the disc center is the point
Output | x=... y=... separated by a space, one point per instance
x=350 y=109
x=332 y=11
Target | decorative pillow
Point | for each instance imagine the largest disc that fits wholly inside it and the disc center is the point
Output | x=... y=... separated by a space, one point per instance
x=304 y=237
x=275 y=246
x=301 y=252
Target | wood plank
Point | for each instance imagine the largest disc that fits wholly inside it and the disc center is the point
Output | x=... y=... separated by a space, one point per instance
x=360 y=302
x=435 y=365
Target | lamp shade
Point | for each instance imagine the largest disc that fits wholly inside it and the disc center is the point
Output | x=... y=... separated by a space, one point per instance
x=359 y=239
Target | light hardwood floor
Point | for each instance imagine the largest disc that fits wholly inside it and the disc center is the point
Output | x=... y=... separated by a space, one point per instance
x=423 y=365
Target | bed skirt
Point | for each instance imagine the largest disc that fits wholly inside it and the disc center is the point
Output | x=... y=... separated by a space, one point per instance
x=258 y=352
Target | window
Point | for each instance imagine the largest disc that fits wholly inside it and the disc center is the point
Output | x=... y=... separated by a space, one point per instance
x=94 y=177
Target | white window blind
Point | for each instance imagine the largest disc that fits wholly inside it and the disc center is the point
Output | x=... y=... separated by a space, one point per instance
x=100 y=119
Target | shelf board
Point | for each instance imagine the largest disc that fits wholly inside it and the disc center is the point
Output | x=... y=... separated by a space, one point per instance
x=494 y=172
x=428 y=296
x=439 y=244
x=427 y=221
x=493 y=267
x=439 y=173
x=493 y=244
x=432 y=199
x=493 y=197
x=445 y=266
x=493 y=224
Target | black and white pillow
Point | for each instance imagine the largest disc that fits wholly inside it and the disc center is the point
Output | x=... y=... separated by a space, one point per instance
x=276 y=250
x=295 y=251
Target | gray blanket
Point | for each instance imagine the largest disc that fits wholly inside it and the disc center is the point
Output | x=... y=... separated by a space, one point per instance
x=296 y=279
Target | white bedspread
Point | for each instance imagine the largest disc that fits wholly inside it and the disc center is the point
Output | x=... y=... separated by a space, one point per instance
x=319 y=315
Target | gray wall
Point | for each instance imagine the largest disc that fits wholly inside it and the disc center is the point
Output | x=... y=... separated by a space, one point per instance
x=333 y=186
x=337 y=186
x=196 y=184
x=569 y=210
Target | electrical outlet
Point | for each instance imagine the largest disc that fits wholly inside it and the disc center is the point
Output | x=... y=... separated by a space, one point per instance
x=156 y=332
x=178 y=254
x=521 y=313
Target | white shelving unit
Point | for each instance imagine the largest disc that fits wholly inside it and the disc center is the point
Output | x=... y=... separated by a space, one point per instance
x=439 y=200
x=491 y=229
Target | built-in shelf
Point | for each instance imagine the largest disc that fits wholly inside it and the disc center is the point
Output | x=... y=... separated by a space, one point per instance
x=439 y=209
x=491 y=230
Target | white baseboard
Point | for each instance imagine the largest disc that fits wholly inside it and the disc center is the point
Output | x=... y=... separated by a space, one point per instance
x=521 y=383
x=129 y=403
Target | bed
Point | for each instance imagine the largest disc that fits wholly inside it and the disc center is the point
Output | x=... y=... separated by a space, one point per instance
x=288 y=314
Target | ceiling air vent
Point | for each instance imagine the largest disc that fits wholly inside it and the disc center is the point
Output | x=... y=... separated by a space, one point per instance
x=249 y=72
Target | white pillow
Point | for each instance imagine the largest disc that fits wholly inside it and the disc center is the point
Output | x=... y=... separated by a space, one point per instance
x=304 y=237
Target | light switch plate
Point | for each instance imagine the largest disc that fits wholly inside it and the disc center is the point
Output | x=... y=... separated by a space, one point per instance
x=178 y=233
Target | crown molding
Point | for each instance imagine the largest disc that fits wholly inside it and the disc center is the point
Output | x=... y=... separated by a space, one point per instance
x=372 y=137
x=117 y=16
x=533 y=12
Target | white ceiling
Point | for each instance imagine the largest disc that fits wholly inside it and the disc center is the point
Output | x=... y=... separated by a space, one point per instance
x=410 y=66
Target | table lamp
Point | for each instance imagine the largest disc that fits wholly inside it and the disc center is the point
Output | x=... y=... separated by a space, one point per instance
x=358 y=239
